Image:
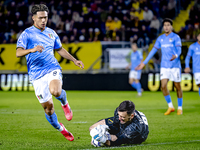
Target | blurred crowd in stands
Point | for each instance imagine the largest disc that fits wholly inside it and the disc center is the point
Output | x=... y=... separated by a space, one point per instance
x=192 y=25
x=98 y=20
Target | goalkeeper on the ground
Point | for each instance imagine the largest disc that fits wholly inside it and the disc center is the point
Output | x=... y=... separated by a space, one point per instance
x=128 y=126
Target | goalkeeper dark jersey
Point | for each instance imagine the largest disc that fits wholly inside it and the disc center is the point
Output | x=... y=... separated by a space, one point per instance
x=133 y=132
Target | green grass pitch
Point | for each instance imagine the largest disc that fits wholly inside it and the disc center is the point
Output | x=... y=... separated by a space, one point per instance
x=23 y=124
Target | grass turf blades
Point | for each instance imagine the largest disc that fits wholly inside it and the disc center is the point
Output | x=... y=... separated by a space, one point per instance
x=24 y=126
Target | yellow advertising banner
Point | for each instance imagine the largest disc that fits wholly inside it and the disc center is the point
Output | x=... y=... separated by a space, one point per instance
x=8 y=59
x=88 y=53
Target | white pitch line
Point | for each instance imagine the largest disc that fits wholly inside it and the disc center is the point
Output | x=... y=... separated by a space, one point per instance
x=80 y=122
x=142 y=145
x=18 y=111
x=92 y=110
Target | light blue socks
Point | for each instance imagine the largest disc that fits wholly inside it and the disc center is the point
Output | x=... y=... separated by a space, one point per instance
x=53 y=120
x=63 y=97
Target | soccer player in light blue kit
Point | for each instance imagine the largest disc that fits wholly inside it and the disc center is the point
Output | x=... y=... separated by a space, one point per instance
x=135 y=75
x=37 y=43
x=170 y=44
x=194 y=52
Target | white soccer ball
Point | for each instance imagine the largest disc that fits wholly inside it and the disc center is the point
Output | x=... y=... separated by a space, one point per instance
x=99 y=133
x=96 y=143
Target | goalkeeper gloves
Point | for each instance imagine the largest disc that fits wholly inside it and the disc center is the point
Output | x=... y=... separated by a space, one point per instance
x=100 y=133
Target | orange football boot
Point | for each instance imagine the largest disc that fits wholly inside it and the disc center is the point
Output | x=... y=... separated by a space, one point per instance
x=179 y=112
x=169 y=110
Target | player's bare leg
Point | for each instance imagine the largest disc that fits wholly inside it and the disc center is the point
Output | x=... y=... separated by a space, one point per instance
x=167 y=96
x=178 y=89
x=180 y=97
x=48 y=107
x=131 y=80
x=56 y=90
x=164 y=89
x=55 y=87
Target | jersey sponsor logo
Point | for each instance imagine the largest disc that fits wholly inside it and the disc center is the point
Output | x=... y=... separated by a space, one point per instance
x=40 y=44
x=133 y=58
x=51 y=36
x=197 y=53
x=40 y=96
x=167 y=45
x=110 y=121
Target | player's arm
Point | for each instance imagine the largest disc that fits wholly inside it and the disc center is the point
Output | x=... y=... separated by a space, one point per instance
x=65 y=54
x=177 y=54
x=22 y=52
x=187 y=60
x=22 y=43
x=178 y=50
x=142 y=64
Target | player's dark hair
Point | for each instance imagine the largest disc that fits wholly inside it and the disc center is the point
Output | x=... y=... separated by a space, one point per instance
x=39 y=7
x=167 y=20
x=128 y=106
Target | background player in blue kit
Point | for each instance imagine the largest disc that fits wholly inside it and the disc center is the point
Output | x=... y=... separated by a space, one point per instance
x=128 y=126
x=170 y=44
x=135 y=75
x=194 y=52
x=37 y=43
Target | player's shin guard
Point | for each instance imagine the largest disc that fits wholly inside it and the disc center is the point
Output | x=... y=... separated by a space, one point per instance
x=63 y=97
x=53 y=120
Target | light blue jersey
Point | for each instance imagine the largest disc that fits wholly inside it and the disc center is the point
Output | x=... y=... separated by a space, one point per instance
x=194 y=52
x=136 y=58
x=170 y=45
x=39 y=64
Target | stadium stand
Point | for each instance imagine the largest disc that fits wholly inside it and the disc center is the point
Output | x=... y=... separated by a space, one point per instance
x=97 y=20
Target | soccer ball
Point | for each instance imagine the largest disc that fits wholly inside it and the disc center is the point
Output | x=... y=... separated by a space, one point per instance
x=99 y=133
x=96 y=143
